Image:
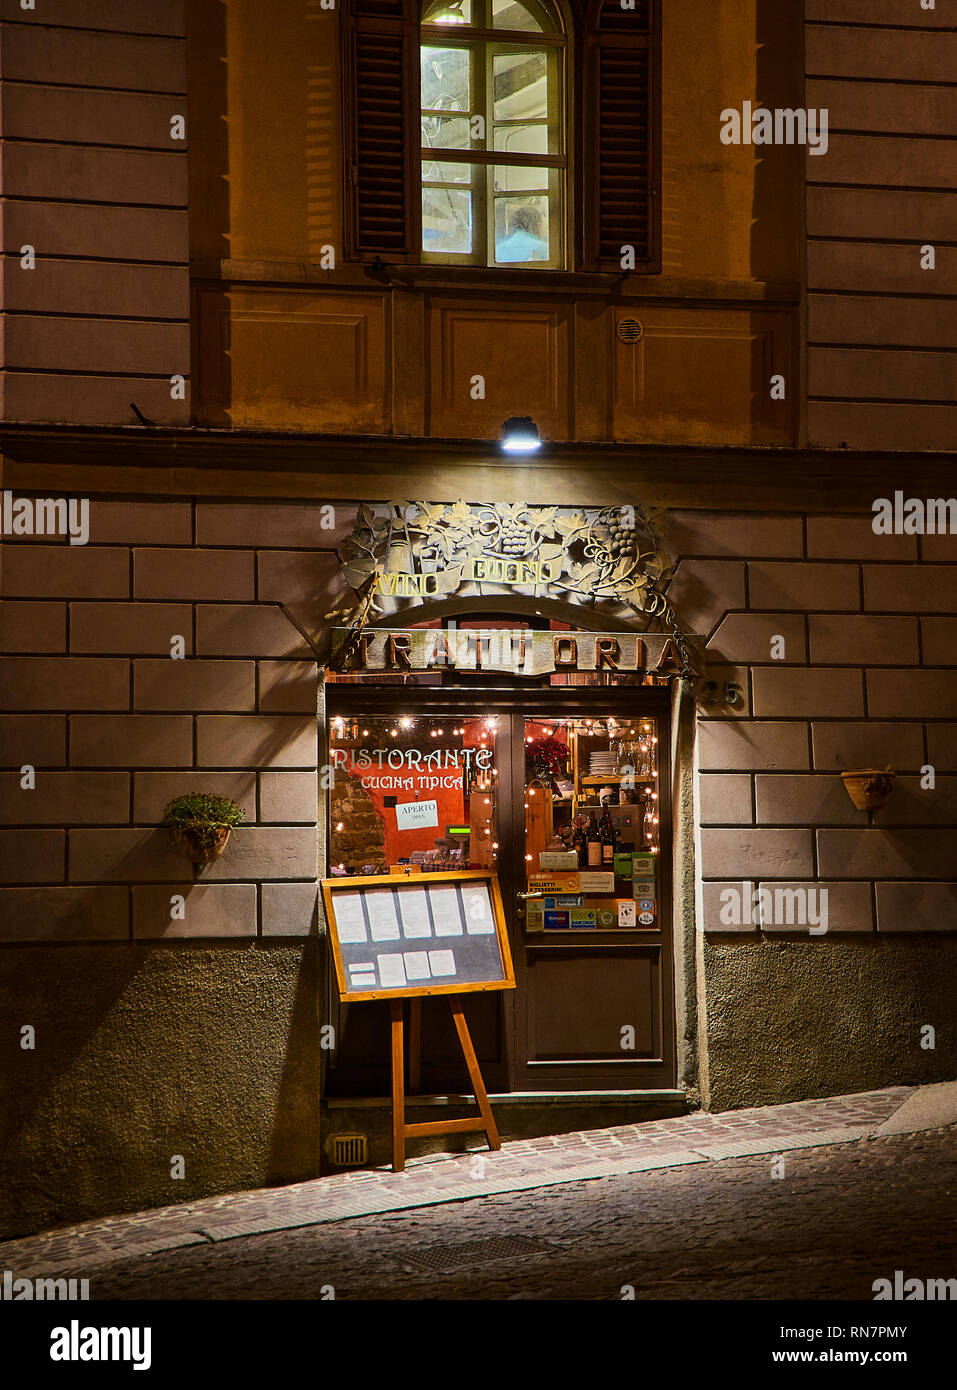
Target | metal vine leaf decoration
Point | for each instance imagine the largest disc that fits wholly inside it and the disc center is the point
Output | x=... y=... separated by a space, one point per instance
x=607 y=557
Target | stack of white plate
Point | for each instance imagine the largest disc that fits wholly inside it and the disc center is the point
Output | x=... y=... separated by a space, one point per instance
x=601 y=764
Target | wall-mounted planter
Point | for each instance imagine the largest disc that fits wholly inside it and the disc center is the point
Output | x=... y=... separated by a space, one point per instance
x=201 y=843
x=869 y=788
x=201 y=824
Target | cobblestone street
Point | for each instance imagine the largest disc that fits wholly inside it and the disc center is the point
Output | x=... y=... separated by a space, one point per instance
x=839 y=1218
x=807 y=1201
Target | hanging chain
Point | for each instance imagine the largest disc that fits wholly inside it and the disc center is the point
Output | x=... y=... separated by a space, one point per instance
x=677 y=636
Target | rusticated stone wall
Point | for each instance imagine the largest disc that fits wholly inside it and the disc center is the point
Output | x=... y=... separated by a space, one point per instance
x=95 y=125
x=842 y=645
x=882 y=373
x=865 y=635
x=114 y=726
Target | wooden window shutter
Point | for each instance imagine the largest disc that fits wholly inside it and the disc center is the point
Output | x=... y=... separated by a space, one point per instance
x=380 y=86
x=621 y=135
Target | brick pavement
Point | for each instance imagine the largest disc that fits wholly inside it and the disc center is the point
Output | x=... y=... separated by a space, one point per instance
x=441 y=1178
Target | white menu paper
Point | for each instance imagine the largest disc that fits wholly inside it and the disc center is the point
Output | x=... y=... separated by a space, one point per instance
x=383 y=923
x=442 y=962
x=350 y=923
x=414 y=908
x=478 y=909
x=391 y=971
x=417 y=965
x=445 y=909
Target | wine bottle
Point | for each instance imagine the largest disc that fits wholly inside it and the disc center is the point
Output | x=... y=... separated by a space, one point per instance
x=593 y=838
x=579 y=843
x=607 y=840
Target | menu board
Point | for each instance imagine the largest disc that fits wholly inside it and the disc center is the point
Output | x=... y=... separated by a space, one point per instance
x=405 y=935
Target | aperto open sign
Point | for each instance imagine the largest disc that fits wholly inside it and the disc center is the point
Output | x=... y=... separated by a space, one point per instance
x=416 y=815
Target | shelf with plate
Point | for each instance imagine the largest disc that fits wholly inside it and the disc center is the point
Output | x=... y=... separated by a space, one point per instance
x=613 y=780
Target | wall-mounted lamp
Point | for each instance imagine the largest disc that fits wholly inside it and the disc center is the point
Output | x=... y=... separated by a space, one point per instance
x=520 y=435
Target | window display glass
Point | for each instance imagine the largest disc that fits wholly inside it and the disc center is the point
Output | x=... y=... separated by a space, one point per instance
x=591 y=824
x=413 y=790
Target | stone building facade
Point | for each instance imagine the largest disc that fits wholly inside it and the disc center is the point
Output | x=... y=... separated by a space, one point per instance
x=185 y=275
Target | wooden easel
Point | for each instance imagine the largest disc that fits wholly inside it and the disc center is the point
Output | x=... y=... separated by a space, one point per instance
x=483 y=1123
x=356 y=978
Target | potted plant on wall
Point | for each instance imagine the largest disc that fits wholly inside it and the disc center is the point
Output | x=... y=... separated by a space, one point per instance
x=202 y=823
x=868 y=787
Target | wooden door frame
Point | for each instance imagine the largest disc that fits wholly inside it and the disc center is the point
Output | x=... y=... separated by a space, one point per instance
x=652 y=1074
x=518 y=700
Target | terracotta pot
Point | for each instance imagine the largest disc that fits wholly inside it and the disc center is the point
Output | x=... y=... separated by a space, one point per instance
x=868 y=788
x=201 y=844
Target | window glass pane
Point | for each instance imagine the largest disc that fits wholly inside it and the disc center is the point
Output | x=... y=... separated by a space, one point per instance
x=419 y=790
x=445 y=132
x=511 y=178
x=519 y=86
x=446 y=82
x=446 y=221
x=521 y=139
x=441 y=171
x=591 y=790
x=448 y=12
x=511 y=14
x=521 y=227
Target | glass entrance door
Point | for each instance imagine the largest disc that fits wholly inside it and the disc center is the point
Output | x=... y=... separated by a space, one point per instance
x=563 y=792
x=594 y=1007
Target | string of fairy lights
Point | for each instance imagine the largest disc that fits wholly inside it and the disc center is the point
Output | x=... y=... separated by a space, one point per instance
x=352 y=730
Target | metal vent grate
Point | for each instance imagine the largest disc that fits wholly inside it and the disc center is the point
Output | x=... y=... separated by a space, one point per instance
x=349 y=1150
x=443 y=1259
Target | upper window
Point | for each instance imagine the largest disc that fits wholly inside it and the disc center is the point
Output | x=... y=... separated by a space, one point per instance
x=492 y=133
x=466 y=147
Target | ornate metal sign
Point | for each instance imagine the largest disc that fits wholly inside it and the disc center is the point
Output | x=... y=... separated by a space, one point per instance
x=402 y=554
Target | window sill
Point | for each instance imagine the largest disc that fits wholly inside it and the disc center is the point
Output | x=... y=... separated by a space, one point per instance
x=464 y=279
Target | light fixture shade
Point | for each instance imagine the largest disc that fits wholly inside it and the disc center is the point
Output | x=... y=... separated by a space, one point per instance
x=520 y=435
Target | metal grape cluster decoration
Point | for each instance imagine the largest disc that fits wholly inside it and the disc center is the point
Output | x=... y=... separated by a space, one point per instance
x=607 y=558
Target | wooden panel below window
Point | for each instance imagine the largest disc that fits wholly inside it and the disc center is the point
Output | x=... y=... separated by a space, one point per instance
x=579 y=998
x=521 y=352
x=281 y=359
x=701 y=376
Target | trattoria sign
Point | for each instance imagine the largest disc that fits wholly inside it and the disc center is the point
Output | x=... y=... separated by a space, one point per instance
x=517 y=651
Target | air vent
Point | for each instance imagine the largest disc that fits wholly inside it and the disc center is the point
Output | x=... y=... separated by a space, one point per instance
x=349 y=1150
x=630 y=330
